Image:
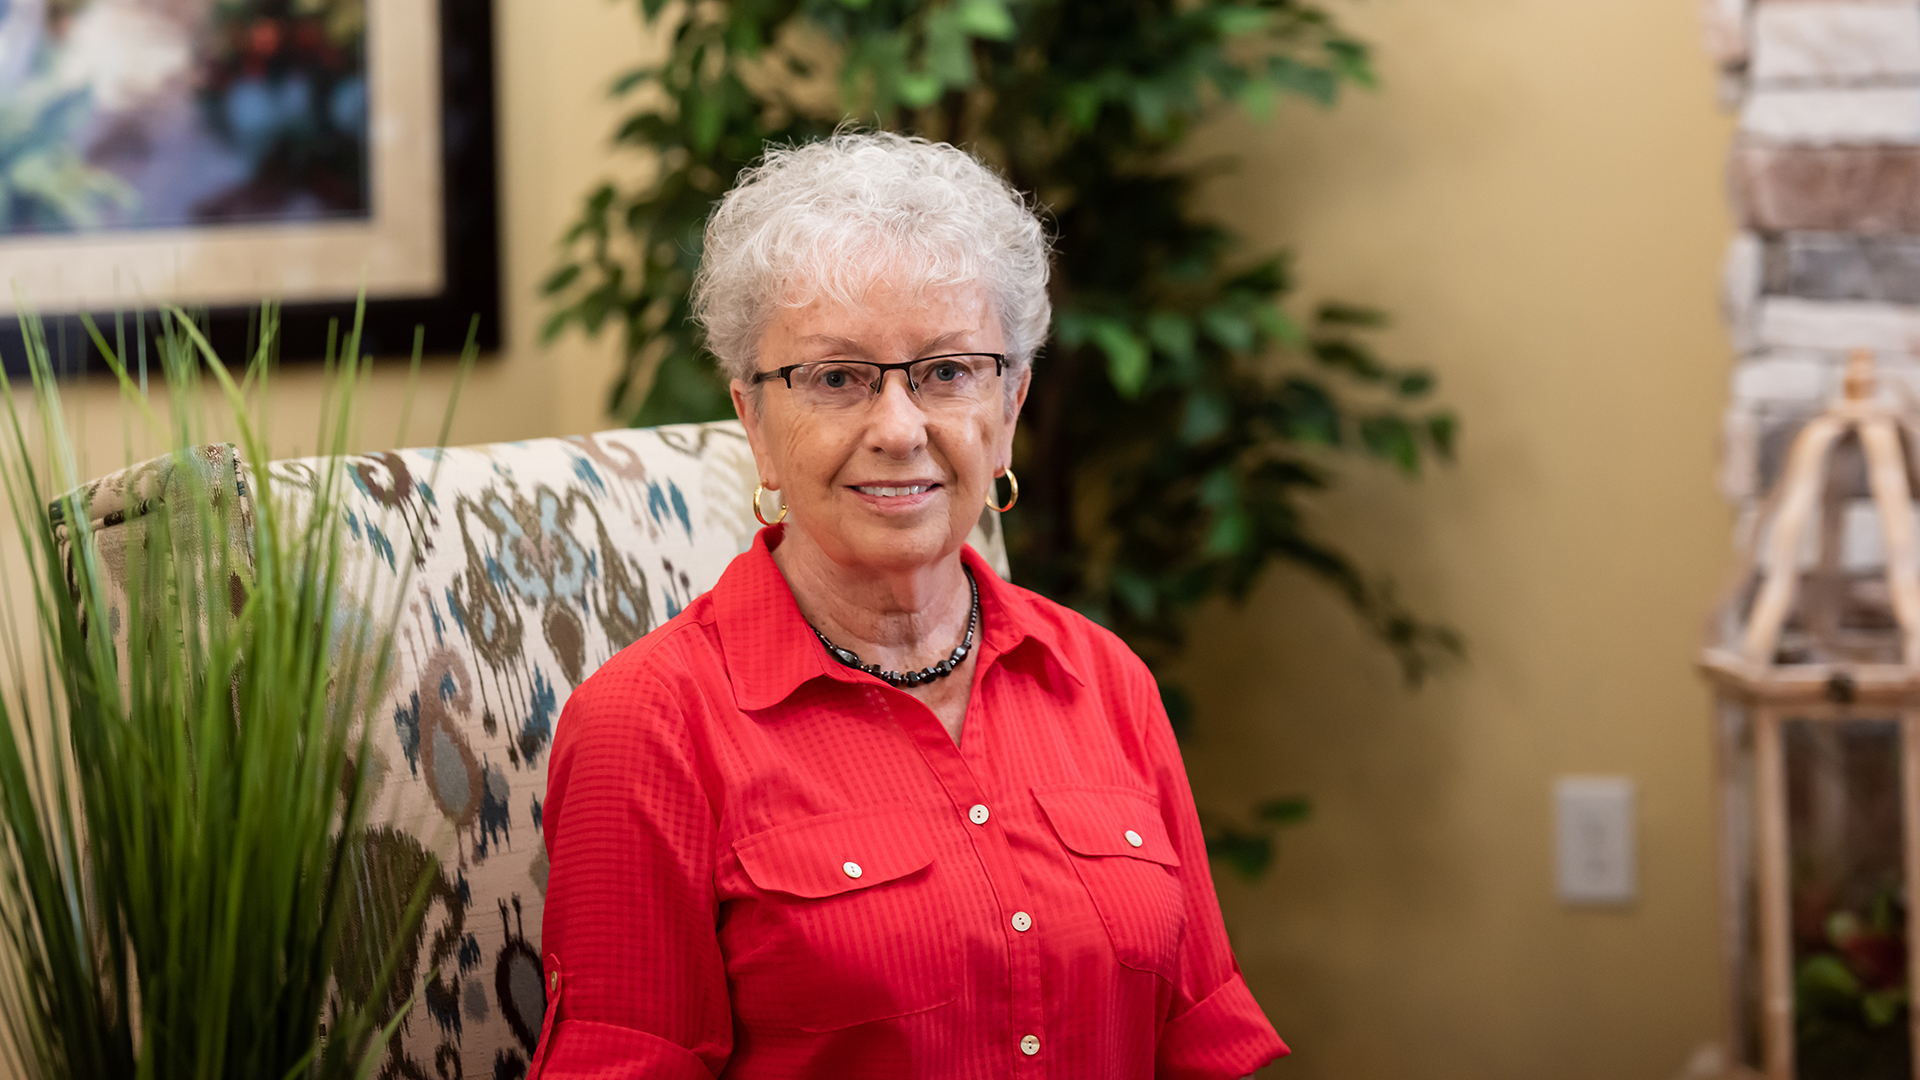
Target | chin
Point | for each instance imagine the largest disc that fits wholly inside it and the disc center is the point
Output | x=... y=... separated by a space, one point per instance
x=901 y=549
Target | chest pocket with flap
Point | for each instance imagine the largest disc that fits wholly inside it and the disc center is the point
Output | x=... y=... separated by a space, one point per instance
x=849 y=924
x=1127 y=862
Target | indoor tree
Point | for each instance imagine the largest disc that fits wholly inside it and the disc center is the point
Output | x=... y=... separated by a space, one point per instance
x=1182 y=406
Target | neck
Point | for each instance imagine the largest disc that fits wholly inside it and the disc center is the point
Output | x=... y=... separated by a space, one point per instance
x=899 y=618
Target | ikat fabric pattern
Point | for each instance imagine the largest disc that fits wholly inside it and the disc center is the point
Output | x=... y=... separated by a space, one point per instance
x=525 y=566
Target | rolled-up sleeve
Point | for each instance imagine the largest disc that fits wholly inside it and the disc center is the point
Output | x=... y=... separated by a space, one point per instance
x=1213 y=1030
x=1223 y=1035
x=636 y=982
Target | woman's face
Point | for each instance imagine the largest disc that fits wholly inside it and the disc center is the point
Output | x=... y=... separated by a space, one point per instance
x=897 y=482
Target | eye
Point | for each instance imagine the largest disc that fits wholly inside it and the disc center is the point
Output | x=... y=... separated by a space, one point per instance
x=946 y=371
x=835 y=378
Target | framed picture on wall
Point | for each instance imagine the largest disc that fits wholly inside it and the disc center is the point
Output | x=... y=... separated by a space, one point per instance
x=212 y=154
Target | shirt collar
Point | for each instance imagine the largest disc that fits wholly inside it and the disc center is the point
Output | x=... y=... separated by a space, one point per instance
x=771 y=651
x=1012 y=617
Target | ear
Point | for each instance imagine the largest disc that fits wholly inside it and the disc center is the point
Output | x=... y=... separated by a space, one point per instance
x=747 y=409
x=1003 y=449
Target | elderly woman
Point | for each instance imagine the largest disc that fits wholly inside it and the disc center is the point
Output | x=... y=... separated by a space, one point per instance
x=865 y=810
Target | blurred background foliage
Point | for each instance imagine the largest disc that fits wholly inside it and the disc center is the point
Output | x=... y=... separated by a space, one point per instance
x=1184 y=404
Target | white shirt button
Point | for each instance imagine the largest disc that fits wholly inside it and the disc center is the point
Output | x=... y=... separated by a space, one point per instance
x=1030 y=1045
x=1022 y=921
x=978 y=815
x=1132 y=838
x=852 y=868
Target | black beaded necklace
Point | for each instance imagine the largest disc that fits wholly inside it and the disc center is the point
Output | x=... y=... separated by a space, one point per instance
x=912 y=678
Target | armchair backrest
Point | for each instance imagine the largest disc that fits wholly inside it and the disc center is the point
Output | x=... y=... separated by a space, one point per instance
x=532 y=563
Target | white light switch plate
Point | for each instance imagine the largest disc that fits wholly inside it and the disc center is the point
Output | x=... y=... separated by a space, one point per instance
x=1594 y=839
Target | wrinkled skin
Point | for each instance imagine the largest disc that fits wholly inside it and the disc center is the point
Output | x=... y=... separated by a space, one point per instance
x=880 y=573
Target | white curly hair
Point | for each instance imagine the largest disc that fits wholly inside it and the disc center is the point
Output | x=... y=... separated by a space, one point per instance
x=828 y=218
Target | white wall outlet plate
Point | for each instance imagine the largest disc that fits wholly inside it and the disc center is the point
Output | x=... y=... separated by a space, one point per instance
x=1594 y=840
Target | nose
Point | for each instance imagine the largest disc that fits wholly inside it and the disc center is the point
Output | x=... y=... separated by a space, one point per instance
x=897 y=426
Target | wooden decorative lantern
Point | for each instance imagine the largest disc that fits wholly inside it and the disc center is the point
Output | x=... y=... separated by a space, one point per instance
x=1815 y=658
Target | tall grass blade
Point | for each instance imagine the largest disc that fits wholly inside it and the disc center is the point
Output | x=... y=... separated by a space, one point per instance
x=184 y=758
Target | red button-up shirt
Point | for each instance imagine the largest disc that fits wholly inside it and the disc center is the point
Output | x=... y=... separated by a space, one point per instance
x=766 y=864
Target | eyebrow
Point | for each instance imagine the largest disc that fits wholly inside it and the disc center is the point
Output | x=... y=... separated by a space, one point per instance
x=853 y=348
x=837 y=344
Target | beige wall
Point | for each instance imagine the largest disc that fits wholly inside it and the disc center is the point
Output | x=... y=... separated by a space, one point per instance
x=1535 y=194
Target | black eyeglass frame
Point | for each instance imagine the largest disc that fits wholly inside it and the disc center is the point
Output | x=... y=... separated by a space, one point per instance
x=785 y=374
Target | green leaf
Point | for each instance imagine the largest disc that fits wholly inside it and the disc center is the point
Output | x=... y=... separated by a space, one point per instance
x=1263 y=281
x=1249 y=854
x=949 y=56
x=1136 y=592
x=1150 y=106
x=1315 y=84
x=883 y=56
x=1259 y=98
x=1231 y=534
x=1230 y=328
x=686 y=387
x=1220 y=488
x=1277 y=325
x=1172 y=334
x=1390 y=438
x=1442 y=429
x=1335 y=313
x=1178 y=704
x=1082 y=102
x=1207 y=417
x=561 y=278
x=598 y=202
x=708 y=116
x=1305 y=412
x=1415 y=384
x=1284 y=811
x=988 y=19
x=1351 y=357
x=1072 y=328
x=1128 y=359
x=1883 y=1007
x=625 y=83
x=647 y=129
x=1353 y=60
x=918 y=90
x=1240 y=21
x=744 y=38
x=1826 y=972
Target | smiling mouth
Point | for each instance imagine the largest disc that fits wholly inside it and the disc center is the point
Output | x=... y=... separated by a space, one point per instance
x=895 y=492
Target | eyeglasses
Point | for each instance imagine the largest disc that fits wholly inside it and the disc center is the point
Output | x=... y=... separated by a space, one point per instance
x=937 y=381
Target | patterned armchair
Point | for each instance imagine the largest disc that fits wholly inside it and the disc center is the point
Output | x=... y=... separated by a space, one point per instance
x=532 y=564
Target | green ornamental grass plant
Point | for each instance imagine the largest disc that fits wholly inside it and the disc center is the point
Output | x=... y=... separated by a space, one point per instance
x=184 y=802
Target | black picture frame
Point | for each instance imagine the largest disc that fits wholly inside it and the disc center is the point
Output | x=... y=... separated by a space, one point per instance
x=471 y=244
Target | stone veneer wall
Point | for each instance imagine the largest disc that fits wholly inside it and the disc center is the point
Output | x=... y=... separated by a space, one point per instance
x=1825 y=181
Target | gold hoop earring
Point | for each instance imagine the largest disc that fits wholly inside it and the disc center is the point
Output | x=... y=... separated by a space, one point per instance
x=1013 y=481
x=757 y=490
